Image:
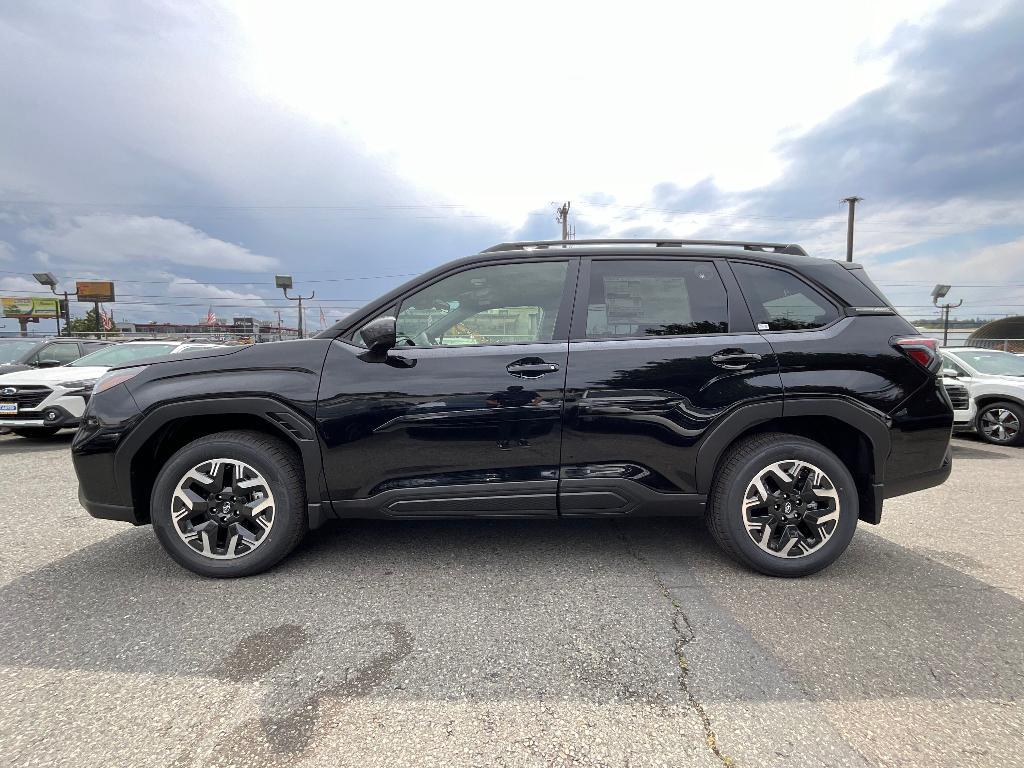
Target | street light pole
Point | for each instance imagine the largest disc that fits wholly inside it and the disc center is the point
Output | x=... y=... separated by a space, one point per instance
x=284 y=282
x=48 y=279
x=939 y=292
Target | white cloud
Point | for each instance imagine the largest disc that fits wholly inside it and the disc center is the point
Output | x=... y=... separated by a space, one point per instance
x=507 y=109
x=187 y=287
x=117 y=239
x=989 y=279
x=21 y=286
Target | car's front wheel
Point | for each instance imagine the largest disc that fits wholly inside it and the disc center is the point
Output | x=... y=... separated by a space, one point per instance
x=230 y=504
x=783 y=505
x=1000 y=423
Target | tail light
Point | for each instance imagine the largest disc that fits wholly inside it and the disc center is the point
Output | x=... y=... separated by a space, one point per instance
x=921 y=349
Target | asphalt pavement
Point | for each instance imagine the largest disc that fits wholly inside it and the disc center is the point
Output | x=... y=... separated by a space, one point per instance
x=514 y=643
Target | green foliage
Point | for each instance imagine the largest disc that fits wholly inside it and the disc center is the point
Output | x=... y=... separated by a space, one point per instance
x=85 y=324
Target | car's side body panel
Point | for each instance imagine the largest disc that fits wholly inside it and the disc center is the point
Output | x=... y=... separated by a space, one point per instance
x=643 y=407
x=276 y=383
x=432 y=418
x=624 y=426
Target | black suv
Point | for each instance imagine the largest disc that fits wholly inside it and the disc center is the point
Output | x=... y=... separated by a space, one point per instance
x=779 y=396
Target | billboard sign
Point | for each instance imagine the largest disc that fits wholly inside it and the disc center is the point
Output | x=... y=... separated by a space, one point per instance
x=95 y=290
x=29 y=307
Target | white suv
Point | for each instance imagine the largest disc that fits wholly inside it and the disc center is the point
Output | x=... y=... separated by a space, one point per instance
x=994 y=382
x=38 y=403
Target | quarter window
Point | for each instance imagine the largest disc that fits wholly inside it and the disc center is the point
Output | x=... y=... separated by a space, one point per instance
x=662 y=297
x=499 y=304
x=781 y=301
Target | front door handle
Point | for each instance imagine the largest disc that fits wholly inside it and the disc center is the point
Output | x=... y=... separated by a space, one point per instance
x=734 y=359
x=530 y=368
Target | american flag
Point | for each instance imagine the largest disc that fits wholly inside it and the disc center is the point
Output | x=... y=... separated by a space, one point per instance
x=106 y=319
x=211 y=317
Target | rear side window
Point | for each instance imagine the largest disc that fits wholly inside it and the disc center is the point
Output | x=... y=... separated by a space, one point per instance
x=676 y=297
x=780 y=301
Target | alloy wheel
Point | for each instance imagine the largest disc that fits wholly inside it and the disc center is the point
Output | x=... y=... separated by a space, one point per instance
x=223 y=509
x=791 y=509
x=1000 y=425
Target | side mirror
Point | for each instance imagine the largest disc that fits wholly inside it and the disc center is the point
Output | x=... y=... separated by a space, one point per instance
x=380 y=334
x=49 y=363
x=951 y=373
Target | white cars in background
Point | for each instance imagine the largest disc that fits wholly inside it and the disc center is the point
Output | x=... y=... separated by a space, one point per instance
x=994 y=385
x=39 y=402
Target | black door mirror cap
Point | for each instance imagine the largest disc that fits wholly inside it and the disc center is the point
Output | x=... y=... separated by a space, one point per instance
x=48 y=363
x=379 y=335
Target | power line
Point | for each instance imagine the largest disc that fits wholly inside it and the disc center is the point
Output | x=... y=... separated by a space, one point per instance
x=246 y=282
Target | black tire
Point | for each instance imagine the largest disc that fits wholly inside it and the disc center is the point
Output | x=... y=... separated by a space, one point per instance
x=275 y=461
x=739 y=467
x=1017 y=438
x=36 y=433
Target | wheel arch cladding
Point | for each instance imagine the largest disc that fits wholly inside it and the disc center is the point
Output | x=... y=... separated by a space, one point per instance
x=171 y=427
x=985 y=400
x=863 y=451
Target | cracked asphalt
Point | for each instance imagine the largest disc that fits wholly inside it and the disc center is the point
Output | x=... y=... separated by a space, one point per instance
x=514 y=643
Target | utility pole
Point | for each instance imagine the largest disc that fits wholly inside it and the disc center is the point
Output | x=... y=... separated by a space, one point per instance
x=939 y=292
x=852 y=202
x=562 y=217
x=284 y=282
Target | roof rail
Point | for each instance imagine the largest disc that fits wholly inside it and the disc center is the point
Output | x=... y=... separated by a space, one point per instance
x=527 y=245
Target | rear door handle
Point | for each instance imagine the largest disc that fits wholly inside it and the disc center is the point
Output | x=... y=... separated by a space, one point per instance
x=734 y=359
x=531 y=368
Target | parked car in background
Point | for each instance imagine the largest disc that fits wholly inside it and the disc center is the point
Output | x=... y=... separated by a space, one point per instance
x=20 y=354
x=994 y=383
x=38 y=403
x=779 y=396
x=964 y=408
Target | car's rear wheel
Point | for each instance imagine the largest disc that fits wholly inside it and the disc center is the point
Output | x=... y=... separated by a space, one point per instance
x=36 y=433
x=783 y=505
x=1001 y=423
x=230 y=504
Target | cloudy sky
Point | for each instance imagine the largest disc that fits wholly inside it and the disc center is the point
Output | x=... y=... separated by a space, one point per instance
x=189 y=151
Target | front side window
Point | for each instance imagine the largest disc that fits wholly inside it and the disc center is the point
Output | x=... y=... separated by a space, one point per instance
x=500 y=304
x=667 y=297
x=780 y=301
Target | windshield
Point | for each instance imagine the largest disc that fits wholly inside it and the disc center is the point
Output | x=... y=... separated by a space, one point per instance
x=12 y=350
x=994 y=363
x=123 y=353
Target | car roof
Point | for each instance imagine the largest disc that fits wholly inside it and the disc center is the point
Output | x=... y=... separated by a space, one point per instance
x=151 y=341
x=642 y=248
x=969 y=349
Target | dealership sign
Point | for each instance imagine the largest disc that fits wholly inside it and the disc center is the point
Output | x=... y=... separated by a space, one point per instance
x=29 y=307
x=95 y=290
